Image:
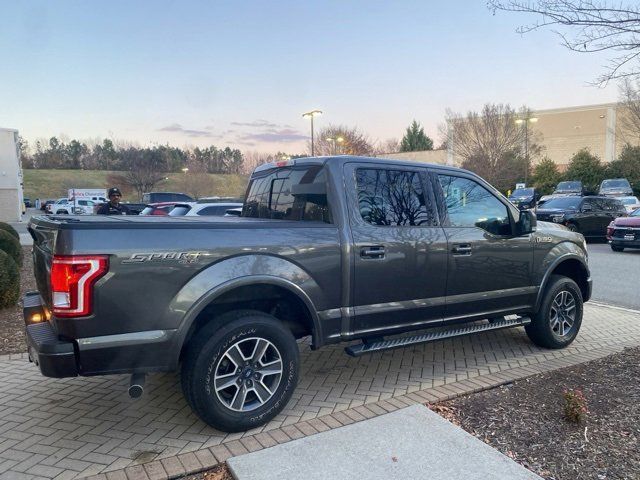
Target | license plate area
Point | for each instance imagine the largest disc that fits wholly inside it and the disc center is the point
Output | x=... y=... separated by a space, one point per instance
x=629 y=236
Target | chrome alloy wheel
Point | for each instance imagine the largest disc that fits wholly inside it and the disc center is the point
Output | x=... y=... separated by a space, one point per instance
x=563 y=313
x=248 y=374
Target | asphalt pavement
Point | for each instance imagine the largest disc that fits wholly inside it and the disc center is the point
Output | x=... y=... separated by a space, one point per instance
x=616 y=275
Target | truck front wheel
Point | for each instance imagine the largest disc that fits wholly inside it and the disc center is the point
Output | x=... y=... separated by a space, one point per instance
x=557 y=322
x=241 y=370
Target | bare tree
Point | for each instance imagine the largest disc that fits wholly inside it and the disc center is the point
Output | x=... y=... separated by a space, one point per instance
x=494 y=143
x=630 y=111
x=588 y=26
x=342 y=140
x=390 y=145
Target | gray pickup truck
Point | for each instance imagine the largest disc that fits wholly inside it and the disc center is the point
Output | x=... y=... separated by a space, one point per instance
x=338 y=249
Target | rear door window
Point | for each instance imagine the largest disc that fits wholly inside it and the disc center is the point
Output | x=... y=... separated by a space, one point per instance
x=394 y=198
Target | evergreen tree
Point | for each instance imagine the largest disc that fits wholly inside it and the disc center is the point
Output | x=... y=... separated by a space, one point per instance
x=415 y=139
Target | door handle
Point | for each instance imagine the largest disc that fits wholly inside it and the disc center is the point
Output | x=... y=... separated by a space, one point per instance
x=463 y=249
x=374 y=251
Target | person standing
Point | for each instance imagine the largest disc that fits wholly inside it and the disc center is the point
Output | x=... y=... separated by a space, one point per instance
x=113 y=206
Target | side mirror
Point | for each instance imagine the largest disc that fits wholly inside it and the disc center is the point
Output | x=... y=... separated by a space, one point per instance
x=526 y=223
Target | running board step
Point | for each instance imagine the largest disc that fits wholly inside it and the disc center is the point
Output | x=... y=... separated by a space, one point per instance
x=380 y=345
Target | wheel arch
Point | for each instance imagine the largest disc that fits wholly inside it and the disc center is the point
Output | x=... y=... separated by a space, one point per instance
x=571 y=266
x=265 y=293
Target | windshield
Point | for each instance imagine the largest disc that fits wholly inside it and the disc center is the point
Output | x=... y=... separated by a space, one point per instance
x=617 y=183
x=522 y=192
x=635 y=213
x=566 y=202
x=629 y=200
x=573 y=186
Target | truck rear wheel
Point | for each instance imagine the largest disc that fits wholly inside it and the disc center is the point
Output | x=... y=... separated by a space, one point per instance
x=241 y=370
x=557 y=322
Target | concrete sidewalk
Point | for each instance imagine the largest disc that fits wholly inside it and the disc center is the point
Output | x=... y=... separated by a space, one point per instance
x=411 y=443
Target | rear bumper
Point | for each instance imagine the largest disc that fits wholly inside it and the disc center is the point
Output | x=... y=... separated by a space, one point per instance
x=621 y=242
x=55 y=357
x=145 y=351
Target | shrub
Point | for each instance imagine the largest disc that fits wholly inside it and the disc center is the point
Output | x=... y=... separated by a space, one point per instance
x=8 y=228
x=575 y=405
x=587 y=168
x=9 y=281
x=11 y=246
x=545 y=176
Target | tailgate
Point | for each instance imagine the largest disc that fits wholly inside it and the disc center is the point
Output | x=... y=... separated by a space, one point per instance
x=44 y=233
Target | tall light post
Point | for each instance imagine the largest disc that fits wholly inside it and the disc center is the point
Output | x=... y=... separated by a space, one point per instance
x=333 y=142
x=526 y=120
x=310 y=115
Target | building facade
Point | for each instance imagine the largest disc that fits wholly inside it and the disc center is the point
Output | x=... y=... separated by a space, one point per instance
x=560 y=132
x=11 y=199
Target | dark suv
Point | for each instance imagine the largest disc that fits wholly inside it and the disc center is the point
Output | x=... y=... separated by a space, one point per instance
x=571 y=187
x=587 y=215
x=619 y=187
x=524 y=198
x=157 y=197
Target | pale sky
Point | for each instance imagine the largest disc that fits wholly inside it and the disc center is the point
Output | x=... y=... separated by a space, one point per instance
x=241 y=73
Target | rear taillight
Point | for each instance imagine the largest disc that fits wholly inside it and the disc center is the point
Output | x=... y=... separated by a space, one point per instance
x=72 y=280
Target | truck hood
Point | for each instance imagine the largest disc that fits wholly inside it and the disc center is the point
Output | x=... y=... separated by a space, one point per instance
x=627 y=222
x=554 y=211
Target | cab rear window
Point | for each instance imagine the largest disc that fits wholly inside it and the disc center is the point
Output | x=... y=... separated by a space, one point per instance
x=294 y=194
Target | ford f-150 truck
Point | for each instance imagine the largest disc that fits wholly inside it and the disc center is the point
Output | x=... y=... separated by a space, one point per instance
x=338 y=249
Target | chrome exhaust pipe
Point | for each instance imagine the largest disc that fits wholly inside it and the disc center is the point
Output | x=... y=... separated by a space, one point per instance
x=136 y=385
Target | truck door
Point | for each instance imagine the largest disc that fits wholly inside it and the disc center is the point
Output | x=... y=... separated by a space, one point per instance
x=490 y=270
x=399 y=248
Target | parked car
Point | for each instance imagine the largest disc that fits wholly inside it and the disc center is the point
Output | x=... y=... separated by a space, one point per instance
x=62 y=206
x=202 y=209
x=524 y=198
x=83 y=207
x=162 y=197
x=624 y=232
x=220 y=200
x=617 y=187
x=44 y=205
x=339 y=249
x=134 y=208
x=159 y=209
x=630 y=203
x=571 y=187
x=587 y=215
x=65 y=206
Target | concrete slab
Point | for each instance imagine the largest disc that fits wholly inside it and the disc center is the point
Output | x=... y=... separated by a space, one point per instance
x=411 y=443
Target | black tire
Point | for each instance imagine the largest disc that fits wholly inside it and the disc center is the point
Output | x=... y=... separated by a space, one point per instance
x=541 y=331
x=617 y=249
x=209 y=355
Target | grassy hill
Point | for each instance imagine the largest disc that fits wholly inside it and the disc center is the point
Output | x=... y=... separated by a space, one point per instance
x=55 y=183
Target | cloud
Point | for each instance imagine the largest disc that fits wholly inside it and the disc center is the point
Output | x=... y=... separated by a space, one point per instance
x=256 y=124
x=176 y=127
x=274 y=136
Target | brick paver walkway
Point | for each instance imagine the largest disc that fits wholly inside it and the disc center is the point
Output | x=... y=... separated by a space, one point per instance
x=77 y=427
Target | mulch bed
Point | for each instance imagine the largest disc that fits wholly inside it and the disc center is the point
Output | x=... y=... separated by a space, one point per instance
x=11 y=323
x=525 y=420
x=219 y=472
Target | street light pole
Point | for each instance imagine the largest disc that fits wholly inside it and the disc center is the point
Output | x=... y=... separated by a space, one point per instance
x=310 y=115
x=526 y=121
